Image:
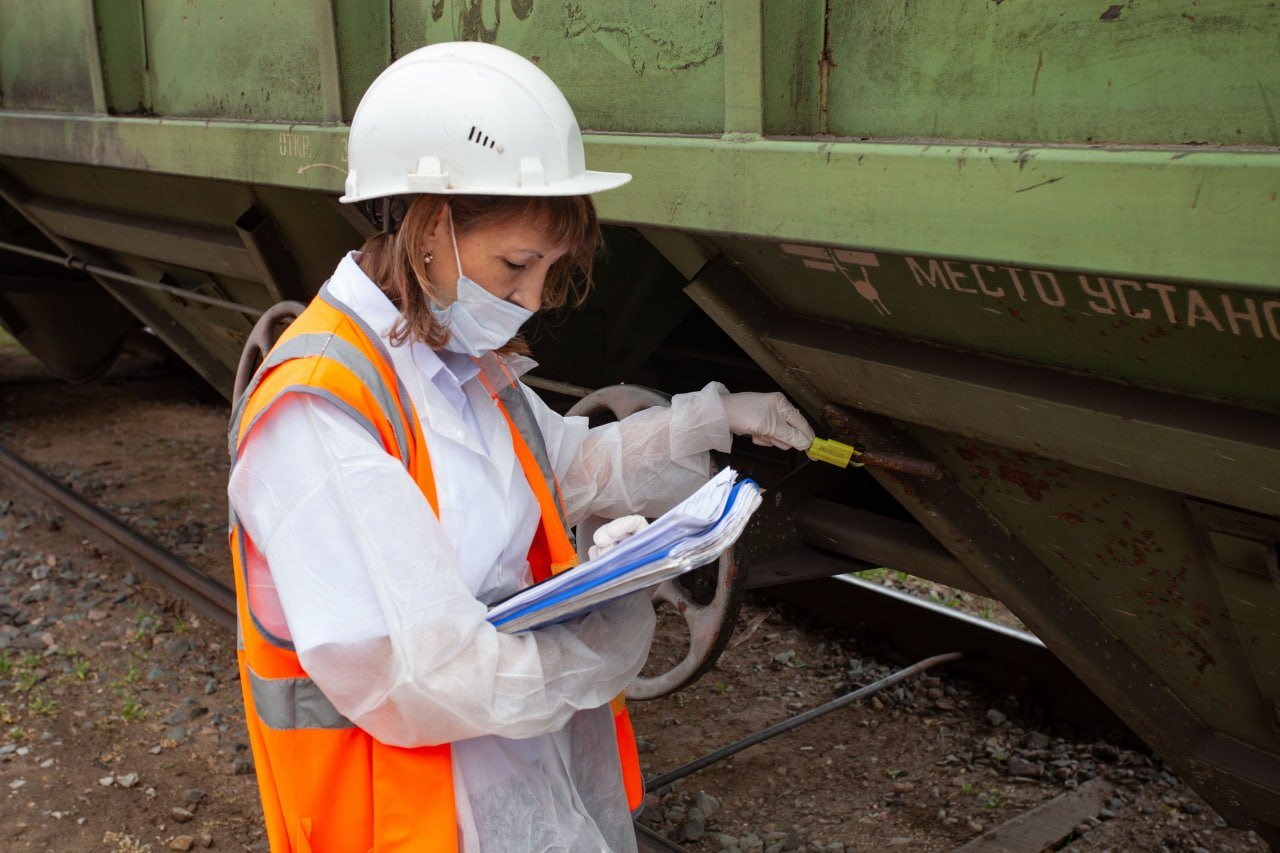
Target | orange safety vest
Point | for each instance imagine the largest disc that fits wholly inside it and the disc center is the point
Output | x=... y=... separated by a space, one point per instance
x=325 y=783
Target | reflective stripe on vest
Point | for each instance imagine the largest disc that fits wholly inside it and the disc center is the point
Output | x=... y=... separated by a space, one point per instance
x=331 y=346
x=326 y=784
x=553 y=537
x=293 y=703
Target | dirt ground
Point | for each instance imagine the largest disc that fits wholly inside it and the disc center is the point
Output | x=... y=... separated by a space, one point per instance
x=123 y=730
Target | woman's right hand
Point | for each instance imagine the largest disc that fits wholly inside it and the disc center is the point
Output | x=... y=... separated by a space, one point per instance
x=769 y=419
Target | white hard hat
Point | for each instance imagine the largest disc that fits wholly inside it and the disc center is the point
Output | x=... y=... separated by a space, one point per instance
x=467 y=117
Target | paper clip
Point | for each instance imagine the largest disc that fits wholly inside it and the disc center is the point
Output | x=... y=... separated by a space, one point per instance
x=833 y=453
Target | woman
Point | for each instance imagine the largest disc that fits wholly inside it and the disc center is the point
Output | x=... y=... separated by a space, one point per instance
x=391 y=477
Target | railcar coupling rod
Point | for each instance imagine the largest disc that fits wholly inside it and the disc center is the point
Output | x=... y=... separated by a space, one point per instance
x=71 y=262
x=787 y=725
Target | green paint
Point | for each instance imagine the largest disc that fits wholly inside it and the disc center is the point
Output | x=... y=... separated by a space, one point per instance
x=1162 y=72
x=202 y=64
x=1185 y=215
x=627 y=67
x=364 y=47
x=1189 y=337
x=794 y=80
x=43 y=57
x=744 y=66
x=122 y=48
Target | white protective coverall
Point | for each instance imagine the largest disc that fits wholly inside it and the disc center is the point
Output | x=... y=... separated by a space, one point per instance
x=386 y=605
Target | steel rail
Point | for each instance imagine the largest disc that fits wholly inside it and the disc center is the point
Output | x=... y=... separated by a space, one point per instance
x=216 y=601
x=798 y=720
x=211 y=598
x=208 y=596
x=71 y=262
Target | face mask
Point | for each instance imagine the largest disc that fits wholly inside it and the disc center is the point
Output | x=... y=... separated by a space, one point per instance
x=478 y=321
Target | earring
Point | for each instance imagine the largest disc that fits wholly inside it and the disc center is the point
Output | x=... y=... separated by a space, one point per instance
x=428 y=257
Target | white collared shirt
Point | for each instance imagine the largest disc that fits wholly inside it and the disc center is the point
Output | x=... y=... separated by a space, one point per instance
x=384 y=601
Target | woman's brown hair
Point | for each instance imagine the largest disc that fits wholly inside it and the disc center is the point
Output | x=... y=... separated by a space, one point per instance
x=396 y=262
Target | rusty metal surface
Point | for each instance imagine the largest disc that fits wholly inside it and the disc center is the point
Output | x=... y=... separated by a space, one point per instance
x=1217 y=451
x=1128 y=610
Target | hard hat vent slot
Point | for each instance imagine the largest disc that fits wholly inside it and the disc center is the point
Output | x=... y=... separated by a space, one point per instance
x=481 y=138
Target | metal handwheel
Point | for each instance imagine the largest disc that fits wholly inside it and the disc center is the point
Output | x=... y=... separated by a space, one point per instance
x=260 y=340
x=708 y=598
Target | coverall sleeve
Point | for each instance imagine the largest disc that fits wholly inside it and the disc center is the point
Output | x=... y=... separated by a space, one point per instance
x=379 y=615
x=646 y=463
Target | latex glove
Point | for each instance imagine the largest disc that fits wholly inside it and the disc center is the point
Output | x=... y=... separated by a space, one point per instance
x=610 y=534
x=769 y=419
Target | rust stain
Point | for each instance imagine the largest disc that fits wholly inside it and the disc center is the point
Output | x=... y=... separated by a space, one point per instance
x=1197 y=651
x=1037 y=186
x=1069 y=518
x=1157 y=332
x=1007 y=469
x=1025 y=480
x=473 y=27
x=825 y=63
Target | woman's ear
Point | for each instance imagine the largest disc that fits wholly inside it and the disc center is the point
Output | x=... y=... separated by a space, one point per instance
x=439 y=229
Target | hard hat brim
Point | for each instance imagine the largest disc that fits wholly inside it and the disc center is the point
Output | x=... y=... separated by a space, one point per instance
x=584 y=184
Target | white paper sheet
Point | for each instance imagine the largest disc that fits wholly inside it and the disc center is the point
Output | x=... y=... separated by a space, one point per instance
x=691 y=534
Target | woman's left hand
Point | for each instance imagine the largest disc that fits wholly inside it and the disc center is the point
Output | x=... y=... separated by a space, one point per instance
x=610 y=534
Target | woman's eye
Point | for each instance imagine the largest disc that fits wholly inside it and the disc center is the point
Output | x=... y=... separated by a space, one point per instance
x=512 y=266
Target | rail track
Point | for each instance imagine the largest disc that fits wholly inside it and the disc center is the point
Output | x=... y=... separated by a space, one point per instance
x=1013 y=660
x=216 y=601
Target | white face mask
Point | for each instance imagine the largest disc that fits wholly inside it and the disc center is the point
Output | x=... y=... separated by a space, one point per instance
x=478 y=321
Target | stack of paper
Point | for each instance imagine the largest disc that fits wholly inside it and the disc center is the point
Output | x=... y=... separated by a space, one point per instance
x=692 y=534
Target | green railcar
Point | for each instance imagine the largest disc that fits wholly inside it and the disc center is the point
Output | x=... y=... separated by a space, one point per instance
x=1032 y=247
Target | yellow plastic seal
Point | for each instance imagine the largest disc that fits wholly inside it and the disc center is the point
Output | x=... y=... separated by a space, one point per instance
x=832 y=452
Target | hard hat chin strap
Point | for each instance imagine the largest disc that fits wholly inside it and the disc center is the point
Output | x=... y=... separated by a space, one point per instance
x=387 y=213
x=393 y=211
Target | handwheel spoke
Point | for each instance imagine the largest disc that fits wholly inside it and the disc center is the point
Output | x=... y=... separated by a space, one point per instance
x=261 y=339
x=710 y=624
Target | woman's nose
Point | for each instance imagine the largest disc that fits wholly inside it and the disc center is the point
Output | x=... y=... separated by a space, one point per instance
x=529 y=297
